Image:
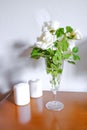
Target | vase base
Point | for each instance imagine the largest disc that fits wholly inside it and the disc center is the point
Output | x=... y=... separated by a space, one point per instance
x=54 y=105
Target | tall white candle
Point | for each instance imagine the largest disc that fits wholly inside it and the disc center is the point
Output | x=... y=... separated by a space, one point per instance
x=21 y=94
x=35 y=88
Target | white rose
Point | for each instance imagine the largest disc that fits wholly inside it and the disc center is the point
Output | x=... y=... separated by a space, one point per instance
x=48 y=37
x=44 y=45
x=78 y=34
x=46 y=40
x=45 y=29
x=52 y=25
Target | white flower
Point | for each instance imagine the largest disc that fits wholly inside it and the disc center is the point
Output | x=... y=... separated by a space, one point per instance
x=46 y=40
x=68 y=34
x=48 y=37
x=44 y=45
x=52 y=25
x=45 y=29
x=77 y=34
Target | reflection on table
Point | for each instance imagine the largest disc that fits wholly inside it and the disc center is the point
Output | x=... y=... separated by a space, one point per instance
x=35 y=116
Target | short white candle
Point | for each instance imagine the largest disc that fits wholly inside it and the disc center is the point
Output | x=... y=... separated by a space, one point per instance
x=21 y=94
x=35 y=88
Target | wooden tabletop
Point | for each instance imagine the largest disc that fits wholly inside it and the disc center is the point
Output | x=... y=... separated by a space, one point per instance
x=35 y=116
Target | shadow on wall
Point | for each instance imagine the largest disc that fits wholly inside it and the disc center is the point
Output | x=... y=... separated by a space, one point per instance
x=81 y=67
x=16 y=65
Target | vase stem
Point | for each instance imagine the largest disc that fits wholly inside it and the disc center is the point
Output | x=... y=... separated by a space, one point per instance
x=54 y=104
x=55 y=97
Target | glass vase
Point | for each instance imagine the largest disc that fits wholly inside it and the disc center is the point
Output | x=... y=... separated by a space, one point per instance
x=55 y=105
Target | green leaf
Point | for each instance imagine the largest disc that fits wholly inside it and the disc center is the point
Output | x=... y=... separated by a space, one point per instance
x=56 y=43
x=54 y=73
x=72 y=62
x=58 y=54
x=75 y=49
x=76 y=57
x=66 y=56
x=53 y=66
x=59 y=32
x=52 y=31
x=48 y=70
x=69 y=29
x=55 y=60
x=64 y=44
x=50 y=52
x=36 y=53
x=60 y=70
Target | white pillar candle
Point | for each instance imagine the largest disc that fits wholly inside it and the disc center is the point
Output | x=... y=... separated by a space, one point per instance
x=21 y=94
x=35 y=88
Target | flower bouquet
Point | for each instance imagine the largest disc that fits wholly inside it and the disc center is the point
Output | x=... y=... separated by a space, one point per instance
x=56 y=44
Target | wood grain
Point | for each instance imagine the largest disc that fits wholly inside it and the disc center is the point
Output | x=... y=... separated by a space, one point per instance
x=35 y=116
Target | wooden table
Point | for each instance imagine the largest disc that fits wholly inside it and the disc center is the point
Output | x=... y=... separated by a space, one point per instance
x=35 y=116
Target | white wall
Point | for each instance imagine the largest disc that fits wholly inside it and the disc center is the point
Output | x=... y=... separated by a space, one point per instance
x=20 y=24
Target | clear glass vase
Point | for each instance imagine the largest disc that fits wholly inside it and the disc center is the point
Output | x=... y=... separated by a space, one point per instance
x=55 y=105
